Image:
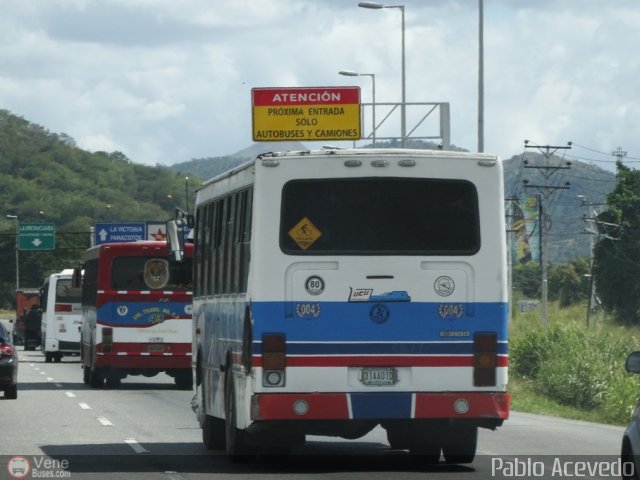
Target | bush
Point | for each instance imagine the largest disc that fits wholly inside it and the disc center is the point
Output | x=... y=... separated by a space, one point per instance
x=580 y=368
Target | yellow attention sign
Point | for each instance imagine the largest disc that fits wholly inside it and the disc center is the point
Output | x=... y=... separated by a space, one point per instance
x=331 y=113
x=305 y=233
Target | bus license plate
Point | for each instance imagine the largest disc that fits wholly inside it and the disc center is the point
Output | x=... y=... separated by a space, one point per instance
x=378 y=376
x=156 y=348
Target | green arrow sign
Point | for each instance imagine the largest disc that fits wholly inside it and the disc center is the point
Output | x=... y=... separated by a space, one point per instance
x=37 y=236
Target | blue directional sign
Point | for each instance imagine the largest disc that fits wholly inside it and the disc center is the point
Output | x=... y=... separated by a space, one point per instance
x=119 y=232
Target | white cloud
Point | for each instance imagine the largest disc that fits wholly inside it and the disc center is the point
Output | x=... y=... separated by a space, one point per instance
x=167 y=81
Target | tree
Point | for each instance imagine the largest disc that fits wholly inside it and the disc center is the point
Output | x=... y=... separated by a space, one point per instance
x=617 y=253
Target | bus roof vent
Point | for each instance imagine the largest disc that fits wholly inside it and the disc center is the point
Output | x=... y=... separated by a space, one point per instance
x=352 y=163
x=379 y=163
x=271 y=162
x=407 y=163
x=486 y=163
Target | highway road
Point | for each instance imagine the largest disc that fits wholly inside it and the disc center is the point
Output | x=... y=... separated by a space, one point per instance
x=146 y=430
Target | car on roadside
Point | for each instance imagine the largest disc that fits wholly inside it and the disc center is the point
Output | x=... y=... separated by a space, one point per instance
x=630 y=452
x=8 y=365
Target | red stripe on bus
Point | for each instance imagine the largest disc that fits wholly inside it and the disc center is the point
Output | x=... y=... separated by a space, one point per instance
x=442 y=405
x=335 y=406
x=321 y=406
x=380 y=361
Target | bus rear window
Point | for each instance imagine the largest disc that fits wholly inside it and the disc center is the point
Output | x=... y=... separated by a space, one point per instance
x=151 y=273
x=379 y=216
x=65 y=293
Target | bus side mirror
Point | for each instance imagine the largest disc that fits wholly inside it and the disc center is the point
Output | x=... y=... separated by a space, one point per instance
x=175 y=239
x=76 y=278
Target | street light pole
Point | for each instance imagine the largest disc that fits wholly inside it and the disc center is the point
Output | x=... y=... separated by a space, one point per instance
x=350 y=73
x=15 y=217
x=403 y=105
x=480 y=76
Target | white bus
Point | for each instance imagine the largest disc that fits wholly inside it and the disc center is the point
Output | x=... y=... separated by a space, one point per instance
x=339 y=290
x=61 y=316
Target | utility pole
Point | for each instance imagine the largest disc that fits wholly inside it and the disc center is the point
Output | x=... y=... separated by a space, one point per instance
x=546 y=190
x=589 y=218
x=619 y=153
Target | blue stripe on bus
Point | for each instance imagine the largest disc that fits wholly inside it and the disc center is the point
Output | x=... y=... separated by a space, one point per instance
x=367 y=321
x=390 y=348
x=133 y=314
x=381 y=405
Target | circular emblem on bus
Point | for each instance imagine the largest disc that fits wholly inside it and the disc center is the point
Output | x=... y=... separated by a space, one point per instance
x=444 y=286
x=122 y=310
x=379 y=313
x=314 y=285
x=156 y=273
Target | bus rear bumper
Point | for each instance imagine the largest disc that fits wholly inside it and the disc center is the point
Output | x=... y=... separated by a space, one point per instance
x=486 y=407
x=142 y=361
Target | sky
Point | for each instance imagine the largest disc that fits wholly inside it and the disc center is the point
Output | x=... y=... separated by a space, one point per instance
x=167 y=81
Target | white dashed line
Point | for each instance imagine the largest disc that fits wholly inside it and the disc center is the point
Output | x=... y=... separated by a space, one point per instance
x=104 y=421
x=70 y=394
x=84 y=406
x=49 y=379
x=135 y=446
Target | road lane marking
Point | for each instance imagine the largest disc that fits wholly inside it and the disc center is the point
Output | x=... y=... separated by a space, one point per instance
x=70 y=394
x=84 y=406
x=174 y=475
x=104 y=421
x=135 y=445
x=49 y=379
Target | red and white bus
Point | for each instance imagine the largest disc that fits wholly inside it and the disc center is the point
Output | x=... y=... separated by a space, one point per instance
x=136 y=309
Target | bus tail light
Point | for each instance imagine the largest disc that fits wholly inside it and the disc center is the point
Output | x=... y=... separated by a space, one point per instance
x=274 y=360
x=485 y=359
x=107 y=339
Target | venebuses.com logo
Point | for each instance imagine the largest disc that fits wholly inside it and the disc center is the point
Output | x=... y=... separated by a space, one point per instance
x=37 y=467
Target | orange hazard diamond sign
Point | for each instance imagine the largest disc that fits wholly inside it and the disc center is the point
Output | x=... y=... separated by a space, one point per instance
x=305 y=233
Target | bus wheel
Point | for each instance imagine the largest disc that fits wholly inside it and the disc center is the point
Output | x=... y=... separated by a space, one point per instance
x=112 y=380
x=425 y=443
x=58 y=358
x=184 y=380
x=96 y=378
x=11 y=392
x=48 y=357
x=235 y=444
x=460 y=444
x=213 y=433
x=399 y=436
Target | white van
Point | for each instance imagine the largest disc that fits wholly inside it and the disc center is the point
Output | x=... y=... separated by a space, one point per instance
x=61 y=316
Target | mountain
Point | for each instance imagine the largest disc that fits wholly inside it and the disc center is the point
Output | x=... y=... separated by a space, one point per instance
x=45 y=177
x=209 y=167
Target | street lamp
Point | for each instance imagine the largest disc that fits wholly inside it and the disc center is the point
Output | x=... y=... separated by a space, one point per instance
x=15 y=217
x=349 y=73
x=403 y=105
x=480 y=76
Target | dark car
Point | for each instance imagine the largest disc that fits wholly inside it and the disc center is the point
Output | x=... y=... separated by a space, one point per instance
x=8 y=365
